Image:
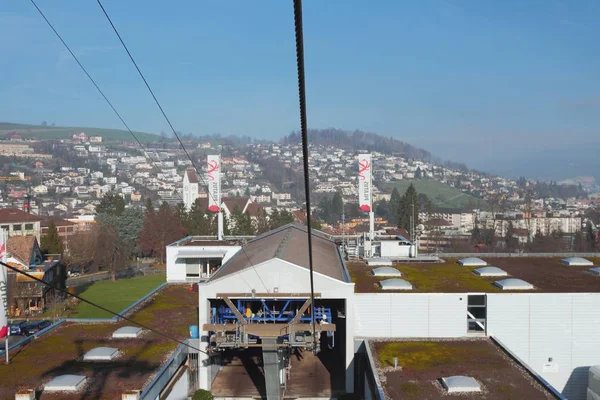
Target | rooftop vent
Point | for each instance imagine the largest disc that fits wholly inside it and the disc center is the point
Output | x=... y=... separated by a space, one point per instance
x=460 y=383
x=386 y=271
x=595 y=270
x=127 y=332
x=490 y=271
x=472 y=262
x=373 y=262
x=65 y=383
x=513 y=284
x=576 y=262
x=395 y=284
x=101 y=354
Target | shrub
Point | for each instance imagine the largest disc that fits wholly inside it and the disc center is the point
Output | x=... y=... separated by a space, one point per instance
x=202 y=395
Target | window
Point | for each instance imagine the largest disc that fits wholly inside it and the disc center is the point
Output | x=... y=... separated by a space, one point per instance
x=16 y=227
x=5 y=227
x=28 y=227
x=476 y=314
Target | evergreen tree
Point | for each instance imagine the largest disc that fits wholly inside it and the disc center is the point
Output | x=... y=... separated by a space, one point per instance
x=394 y=206
x=337 y=207
x=51 y=242
x=149 y=206
x=181 y=215
x=510 y=240
x=197 y=220
x=241 y=223
x=111 y=203
x=261 y=225
x=409 y=205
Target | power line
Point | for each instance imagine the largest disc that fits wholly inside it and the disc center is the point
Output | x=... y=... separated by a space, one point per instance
x=170 y=124
x=95 y=85
x=15 y=269
x=302 y=100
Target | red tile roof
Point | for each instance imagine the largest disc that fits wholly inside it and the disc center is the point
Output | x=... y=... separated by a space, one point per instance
x=21 y=247
x=11 y=215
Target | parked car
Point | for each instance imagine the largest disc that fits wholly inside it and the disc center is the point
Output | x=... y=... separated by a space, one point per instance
x=34 y=327
x=16 y=328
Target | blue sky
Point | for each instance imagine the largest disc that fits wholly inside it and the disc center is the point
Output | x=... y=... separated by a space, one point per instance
x=495 y=84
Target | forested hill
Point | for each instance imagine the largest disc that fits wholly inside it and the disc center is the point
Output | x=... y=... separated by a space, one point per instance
x=359 y=140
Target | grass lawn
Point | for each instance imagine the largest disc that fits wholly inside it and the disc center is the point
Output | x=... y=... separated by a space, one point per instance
x=115 y=296
x=439 y=193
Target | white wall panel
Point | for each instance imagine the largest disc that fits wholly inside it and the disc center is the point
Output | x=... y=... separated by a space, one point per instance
x=563 y=326
x=550 y=337
x=585 y=347
x=508 y=320
x=447 y=315
x=372 y=313
x=410 y=315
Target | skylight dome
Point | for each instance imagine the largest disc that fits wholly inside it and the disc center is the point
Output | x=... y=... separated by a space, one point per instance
x=65 y=383
x=385 y=271
x=472 y=262
x=490 y=271
x=101 y=354
x=127 y=332
x=395 y=284
x=460 y=384
x=373 y=262
x=576 y=262
x=513 y=284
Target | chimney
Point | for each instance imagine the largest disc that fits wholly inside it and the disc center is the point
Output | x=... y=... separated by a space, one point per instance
x=131 y=395
x=25 y=394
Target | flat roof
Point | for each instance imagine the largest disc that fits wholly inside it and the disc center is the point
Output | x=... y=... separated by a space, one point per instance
x=422 y=363
x=547 y=275
x=61 y=351
x=207 y=241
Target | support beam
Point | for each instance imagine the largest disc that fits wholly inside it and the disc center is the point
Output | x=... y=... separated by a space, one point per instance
x=265 y=295
x=301 y=311
x=235 y=310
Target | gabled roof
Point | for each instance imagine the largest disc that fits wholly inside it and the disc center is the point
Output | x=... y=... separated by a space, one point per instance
x=192 y=177
x=288 y=243
x=11 y=215
x=22 y=247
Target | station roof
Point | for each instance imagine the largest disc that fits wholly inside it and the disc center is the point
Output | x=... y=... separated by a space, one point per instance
x=423 y=363
x=288 y=243
x=546 y=274
x=61 y=351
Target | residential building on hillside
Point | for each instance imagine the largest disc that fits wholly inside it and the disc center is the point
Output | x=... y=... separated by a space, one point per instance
x=19 y=223
x=64 y=227
x=26 y=296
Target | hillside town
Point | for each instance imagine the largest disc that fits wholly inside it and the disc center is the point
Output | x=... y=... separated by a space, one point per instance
x=66 y=179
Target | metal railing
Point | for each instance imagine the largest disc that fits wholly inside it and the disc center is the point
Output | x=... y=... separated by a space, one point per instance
x=166 y=373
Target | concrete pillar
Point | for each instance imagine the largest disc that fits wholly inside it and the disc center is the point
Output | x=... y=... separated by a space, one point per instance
x=349 y=342
x=271 y=368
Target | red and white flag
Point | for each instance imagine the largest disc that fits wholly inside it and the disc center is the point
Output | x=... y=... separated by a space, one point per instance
x=214 y=182
x=364 y=182
x=3 y=288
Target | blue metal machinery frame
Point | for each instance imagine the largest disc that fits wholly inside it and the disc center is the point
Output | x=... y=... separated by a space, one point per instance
x=264 y=311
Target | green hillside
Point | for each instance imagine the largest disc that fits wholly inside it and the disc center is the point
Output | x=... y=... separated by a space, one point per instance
x=57 y=132
x=441 y=194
